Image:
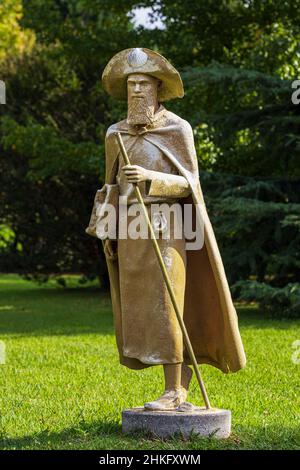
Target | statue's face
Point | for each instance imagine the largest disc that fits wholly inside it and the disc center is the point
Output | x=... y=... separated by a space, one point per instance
x=142 y=93
x=140 y=85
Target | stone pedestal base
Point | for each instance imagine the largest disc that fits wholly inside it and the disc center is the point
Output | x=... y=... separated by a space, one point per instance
x=163 y=424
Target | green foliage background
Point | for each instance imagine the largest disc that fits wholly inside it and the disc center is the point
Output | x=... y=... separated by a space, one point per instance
x=237 y=58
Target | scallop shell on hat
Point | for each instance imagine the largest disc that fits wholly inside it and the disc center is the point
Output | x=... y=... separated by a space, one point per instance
x=137 y=57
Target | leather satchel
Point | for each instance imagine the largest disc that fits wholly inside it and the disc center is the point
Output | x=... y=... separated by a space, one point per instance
x=105 y=197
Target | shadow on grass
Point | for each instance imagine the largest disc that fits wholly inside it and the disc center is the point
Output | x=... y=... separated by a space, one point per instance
x=77 y=311
x=44 y=312
x=252 y=318
x=83 y=432
x=108 y=435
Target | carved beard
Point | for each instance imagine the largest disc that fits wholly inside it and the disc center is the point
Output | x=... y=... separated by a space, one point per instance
x=140 y=112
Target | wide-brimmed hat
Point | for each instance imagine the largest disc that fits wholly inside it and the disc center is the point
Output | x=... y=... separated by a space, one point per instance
x=141 y=60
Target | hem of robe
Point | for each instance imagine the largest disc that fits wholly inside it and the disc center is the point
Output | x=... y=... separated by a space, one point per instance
x=136 y=364
x=152 y=363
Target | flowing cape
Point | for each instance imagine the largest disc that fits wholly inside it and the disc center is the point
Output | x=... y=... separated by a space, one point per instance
x=209 y=314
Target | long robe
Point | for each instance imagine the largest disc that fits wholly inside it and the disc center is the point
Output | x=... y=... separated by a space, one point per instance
x=150 y=330
x=208 y=310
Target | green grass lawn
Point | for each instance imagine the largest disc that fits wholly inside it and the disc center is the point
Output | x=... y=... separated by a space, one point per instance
x=63 y=388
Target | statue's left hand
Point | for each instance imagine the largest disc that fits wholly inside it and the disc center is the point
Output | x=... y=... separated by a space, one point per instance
x=136 y=173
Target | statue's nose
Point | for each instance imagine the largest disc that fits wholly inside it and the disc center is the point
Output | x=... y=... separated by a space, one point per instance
x=137 y=88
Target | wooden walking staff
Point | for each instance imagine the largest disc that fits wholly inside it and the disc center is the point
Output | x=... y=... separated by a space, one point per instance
x=186 y=338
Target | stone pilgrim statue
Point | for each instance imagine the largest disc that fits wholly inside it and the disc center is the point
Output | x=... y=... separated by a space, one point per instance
x=163 y=164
